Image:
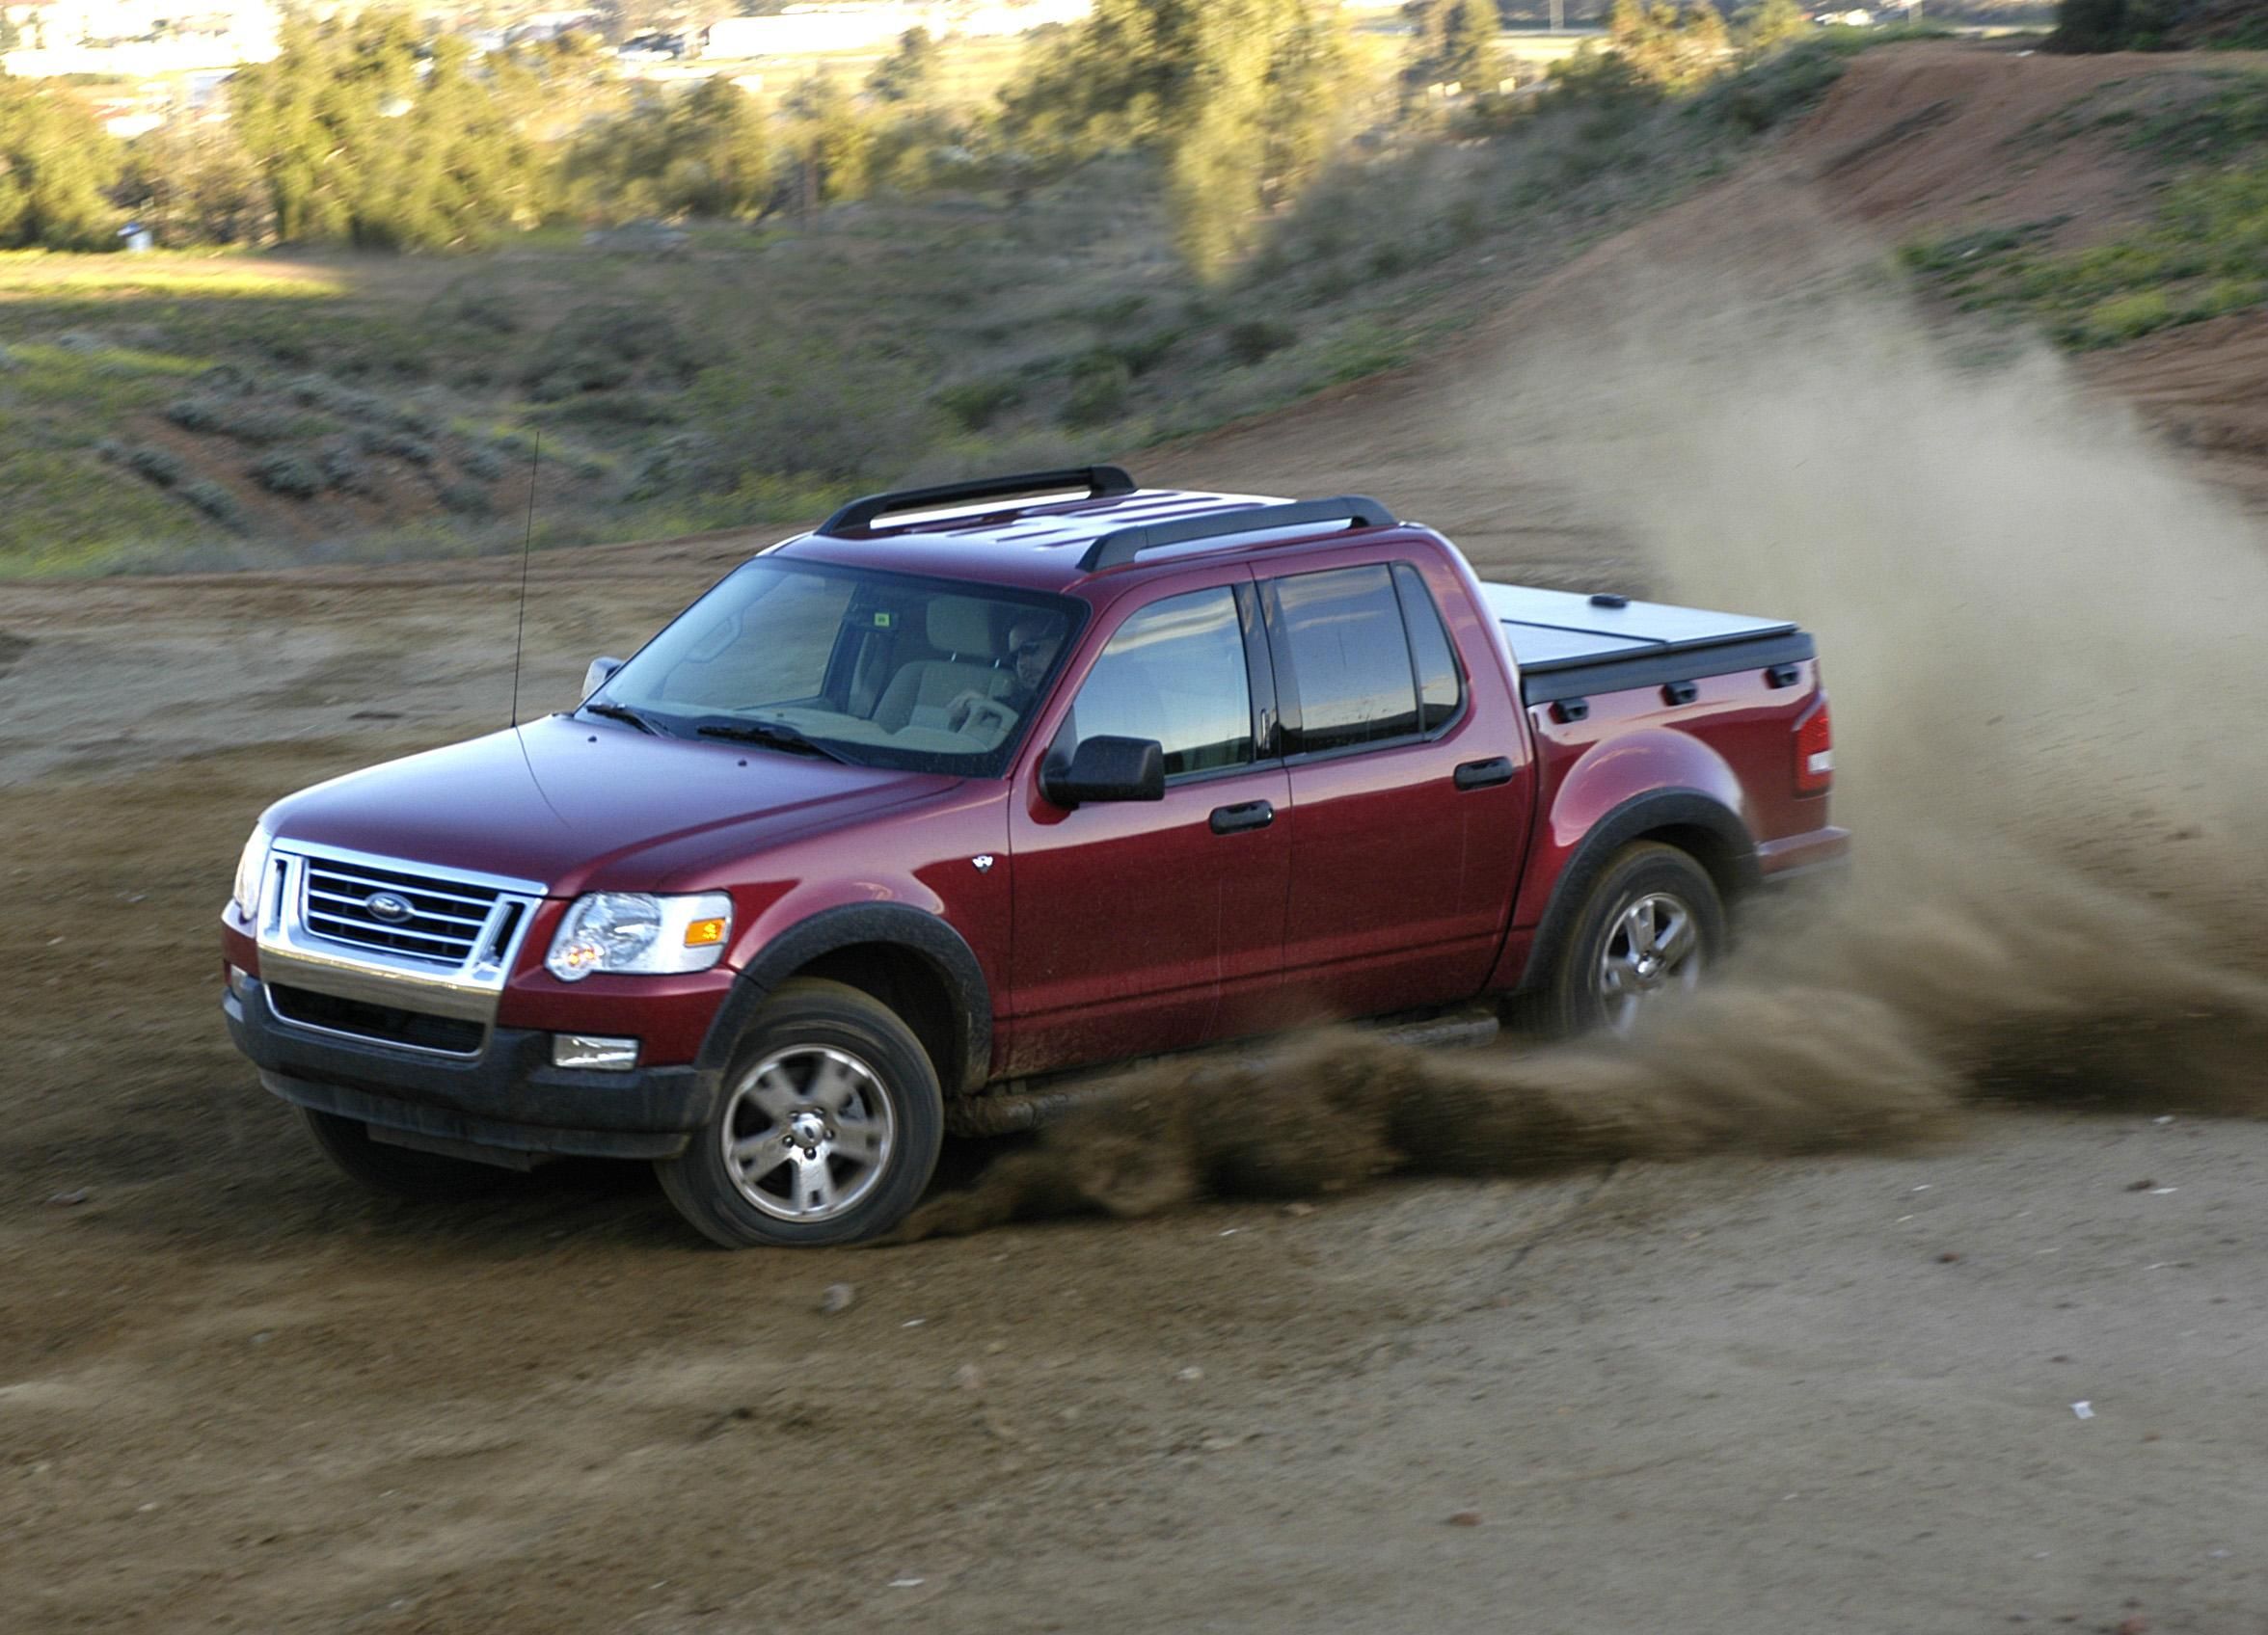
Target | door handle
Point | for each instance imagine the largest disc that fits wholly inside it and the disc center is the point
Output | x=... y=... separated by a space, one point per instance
x=1482 y=774
x=1252 y=815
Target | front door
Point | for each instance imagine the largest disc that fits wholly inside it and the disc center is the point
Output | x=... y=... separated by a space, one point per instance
x=1143 y=926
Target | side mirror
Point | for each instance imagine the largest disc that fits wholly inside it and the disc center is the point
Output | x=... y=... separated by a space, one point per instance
x=599 y=673
x=1106 y=769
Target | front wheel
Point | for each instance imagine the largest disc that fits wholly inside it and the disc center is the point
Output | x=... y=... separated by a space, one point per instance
x=1648 y=928
x=827 y=1125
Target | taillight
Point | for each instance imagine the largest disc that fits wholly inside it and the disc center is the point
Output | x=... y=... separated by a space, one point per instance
x=1815 y=750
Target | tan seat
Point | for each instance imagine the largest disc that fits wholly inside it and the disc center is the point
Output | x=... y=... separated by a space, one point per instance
x=962 y=628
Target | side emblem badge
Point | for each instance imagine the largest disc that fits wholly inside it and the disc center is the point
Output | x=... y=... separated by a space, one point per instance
x=983 y=861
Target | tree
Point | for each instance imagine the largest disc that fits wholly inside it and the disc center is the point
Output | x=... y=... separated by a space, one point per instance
x=831 y=143
x=908 y=74
x=2113 y=25
x=1667 y=46
x=190 y=181
x=56 y=165
x=706 y=151
x=365 y=137
x=1767 y=23
x=1457 y=45
x=1240 y=98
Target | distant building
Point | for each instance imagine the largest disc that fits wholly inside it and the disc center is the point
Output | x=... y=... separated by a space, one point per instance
x=137 y=36
x=813 y=29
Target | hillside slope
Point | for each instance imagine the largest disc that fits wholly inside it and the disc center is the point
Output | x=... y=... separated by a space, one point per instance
x=1913 y=144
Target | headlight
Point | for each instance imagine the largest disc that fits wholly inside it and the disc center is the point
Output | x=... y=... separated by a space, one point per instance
x=249 y=867
x=638 y=932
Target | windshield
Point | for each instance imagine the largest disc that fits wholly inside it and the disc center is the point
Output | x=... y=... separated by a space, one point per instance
x=876 y=669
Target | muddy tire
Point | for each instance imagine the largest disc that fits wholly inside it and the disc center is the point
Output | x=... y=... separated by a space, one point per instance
x=827 y=1125
x=1650 y=927
x=428 y=1177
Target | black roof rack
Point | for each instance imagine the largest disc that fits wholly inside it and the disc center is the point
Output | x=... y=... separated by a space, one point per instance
x=1096 y=480
x=1124 y=545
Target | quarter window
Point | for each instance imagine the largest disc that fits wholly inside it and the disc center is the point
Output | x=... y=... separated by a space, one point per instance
x=1175 y=672
x=1439 y=689
x=1349 y=657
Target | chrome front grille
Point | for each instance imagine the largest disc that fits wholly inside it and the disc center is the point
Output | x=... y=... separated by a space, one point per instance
x=443 y=948
x=444 y=921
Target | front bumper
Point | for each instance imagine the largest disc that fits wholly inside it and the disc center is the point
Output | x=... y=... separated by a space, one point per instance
x=509 y=1096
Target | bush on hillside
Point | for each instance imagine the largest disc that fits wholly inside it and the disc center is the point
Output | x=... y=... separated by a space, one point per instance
x=292 y=475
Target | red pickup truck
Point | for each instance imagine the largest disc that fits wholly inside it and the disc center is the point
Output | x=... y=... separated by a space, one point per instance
x=983 y=784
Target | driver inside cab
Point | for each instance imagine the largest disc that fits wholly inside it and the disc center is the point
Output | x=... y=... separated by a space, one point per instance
x=1032 y=642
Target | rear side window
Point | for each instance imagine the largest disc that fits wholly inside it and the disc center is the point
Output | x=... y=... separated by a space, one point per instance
x=1349 y=656
x=1175 y=672
x=1439 y=687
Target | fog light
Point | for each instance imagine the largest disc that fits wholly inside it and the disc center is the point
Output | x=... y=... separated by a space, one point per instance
x=589 y=1049
x=238 y=980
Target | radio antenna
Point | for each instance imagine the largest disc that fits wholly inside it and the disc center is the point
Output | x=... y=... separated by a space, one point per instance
x=527 y=550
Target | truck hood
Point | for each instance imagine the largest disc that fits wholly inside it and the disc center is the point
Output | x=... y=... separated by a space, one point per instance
x=573 y=805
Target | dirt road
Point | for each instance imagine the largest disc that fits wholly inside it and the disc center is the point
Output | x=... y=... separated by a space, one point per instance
x=1737 y=1394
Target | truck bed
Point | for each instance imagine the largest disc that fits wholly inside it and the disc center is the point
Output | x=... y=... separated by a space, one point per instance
x=1569 y=645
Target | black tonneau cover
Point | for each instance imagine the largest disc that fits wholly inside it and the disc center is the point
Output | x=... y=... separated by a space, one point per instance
x=1569 y=645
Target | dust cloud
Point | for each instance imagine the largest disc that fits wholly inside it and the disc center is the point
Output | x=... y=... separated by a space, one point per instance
x=2044 y=642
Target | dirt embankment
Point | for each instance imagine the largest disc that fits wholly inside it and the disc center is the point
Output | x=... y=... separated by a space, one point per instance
x=1753 y=1392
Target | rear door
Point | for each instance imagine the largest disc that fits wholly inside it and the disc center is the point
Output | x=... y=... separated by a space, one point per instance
x=1147 y=926
x=1412 y=806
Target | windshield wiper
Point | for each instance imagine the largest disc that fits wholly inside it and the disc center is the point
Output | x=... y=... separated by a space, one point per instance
x=623 y=713
x=772 y=735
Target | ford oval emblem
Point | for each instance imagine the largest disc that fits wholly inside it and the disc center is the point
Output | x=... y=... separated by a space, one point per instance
x=388 y=906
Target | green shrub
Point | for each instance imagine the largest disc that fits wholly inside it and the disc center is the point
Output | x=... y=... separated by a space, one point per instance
x=195 y=415
x=159 y=466
x=293 y=475
x=321 y=392
x=1775 y=90
x=484 y=463
x=1144 y=352
x=2126 y=317
x=344 y=472
x=215 y=501
x=974 y=404
x=627 y=409
x=684 y=463
x=497 y=315
x=243 y=421
x=1101 y=386
x=225 y=379
x=1251 y=339
x=466 y=500
x=599 y=347
x=399 y=444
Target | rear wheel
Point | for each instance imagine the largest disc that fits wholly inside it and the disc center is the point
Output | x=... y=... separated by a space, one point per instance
x=1649 y=929
x=826 y=1129
x=426 y=1176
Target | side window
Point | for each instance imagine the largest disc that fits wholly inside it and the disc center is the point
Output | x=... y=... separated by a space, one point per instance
x=1175 y=672
x=1439 y=687
x=1349 y=657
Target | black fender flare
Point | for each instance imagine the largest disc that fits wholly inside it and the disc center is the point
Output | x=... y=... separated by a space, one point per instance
x=1641 y=814
x=925 y=935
